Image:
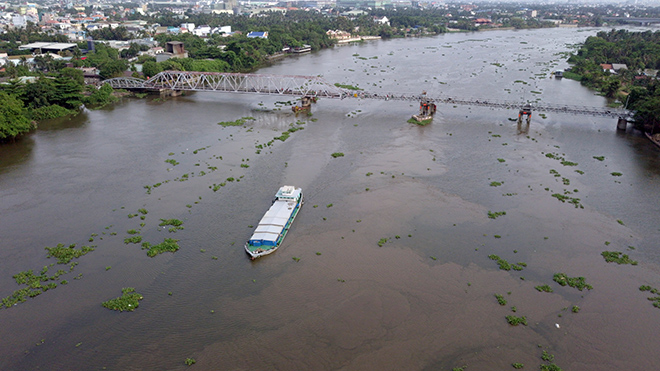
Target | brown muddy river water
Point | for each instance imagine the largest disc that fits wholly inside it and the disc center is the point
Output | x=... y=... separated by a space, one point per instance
x=424 y=300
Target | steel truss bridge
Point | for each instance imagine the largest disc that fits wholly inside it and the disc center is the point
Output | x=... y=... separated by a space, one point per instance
x=314 y=86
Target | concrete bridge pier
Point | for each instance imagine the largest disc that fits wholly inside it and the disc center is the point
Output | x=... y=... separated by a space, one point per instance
x=305 y=104
x=426 y=110
x=622 y=124
x=170 y=92
x=525 y=111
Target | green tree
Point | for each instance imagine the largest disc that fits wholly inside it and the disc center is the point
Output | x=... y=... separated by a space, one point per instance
x=12 y=118
x=647 y=114
x=39 y=93
x=151 y=68
x=13 y=87
x=172 y=64
x=68 y=89
x=101 y=96
x=113 y=68
x=610 y=86
x=73 y=74
x=43 y=63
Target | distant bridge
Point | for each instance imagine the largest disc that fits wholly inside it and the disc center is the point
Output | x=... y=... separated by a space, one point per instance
x=314 y=86
x=641 y=21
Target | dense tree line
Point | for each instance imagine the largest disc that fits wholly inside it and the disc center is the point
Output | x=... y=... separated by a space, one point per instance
x=106 y=59
x=108 y=33
x=524 y=23
x=639 y=51
x=303 y=27
x=49 y=96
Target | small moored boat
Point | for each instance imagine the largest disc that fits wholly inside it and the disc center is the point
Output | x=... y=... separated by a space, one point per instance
x=654 y=138
x=274 y=225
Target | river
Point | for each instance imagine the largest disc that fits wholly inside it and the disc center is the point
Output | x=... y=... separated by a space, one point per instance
x=424 y=300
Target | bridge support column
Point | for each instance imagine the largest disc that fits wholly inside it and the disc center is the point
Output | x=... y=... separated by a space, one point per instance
x=525 y=111
x=305 y=104
x=426 y=111
x=170 y=92
x=622 y=124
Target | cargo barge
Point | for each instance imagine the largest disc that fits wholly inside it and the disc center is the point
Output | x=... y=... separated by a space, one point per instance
x=274 y=225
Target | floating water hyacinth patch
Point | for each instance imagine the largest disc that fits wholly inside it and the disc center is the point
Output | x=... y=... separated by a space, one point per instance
x=576 y=282
x=617 y=257
x=65 y=254
x=128 y=301
x=168 y=245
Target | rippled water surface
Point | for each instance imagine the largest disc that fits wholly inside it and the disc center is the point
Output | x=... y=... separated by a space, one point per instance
x=423 y=300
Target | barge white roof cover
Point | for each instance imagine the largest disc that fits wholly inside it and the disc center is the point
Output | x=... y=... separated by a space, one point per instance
x=268 y=229
x=278 y=222
x=279 y=209
x=273 y=223
x=264 y=238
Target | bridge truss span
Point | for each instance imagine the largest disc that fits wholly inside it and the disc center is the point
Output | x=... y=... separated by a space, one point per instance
x=294 y=85
x=536 y=107
x=126 y=83
x=315 y=86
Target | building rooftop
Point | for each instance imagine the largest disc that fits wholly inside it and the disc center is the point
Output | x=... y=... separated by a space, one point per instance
x=47 y=45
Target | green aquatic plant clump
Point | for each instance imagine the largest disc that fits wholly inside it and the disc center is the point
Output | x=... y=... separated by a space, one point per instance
x=547 y=356
x=189 y=361
x=655 y=299
x=500 y=299
x=35 y=285
x=543 y=288
x=515 y=321
x=505 y=265
x=168 y=245
x=134 y=239
x=550 y=367
x=337 y=154
x=575 y=282
x=617 y=257
x=285 y=135
x=571 y=200
x=496 y=214
x=175 y=224
x=128 y=301
x=239 y=122
x=65 y=254
x=420 y=123
x=346 y=86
